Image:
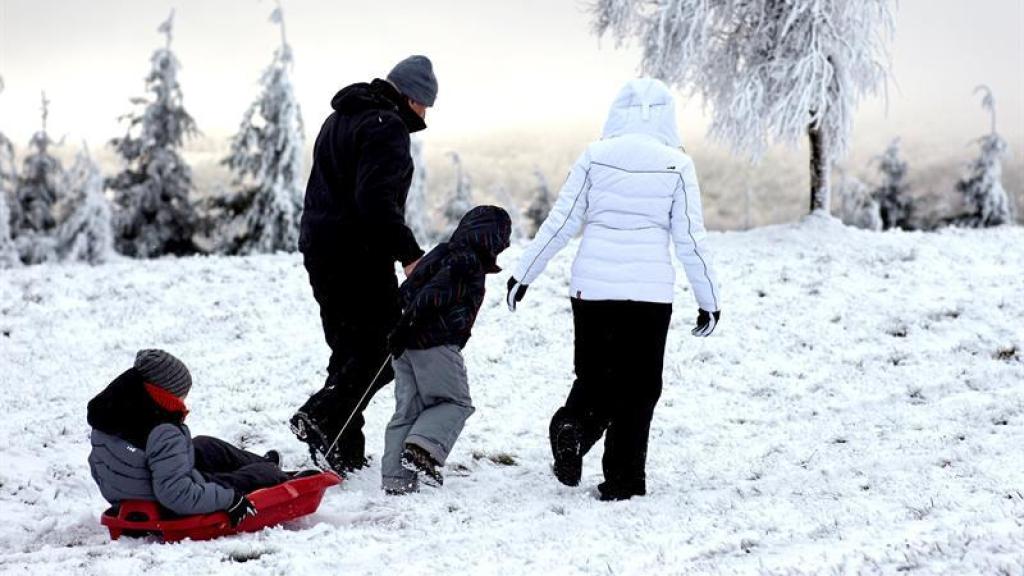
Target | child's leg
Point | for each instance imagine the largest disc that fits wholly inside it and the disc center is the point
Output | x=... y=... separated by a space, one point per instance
x=214 y=455
x=250 y=477
x=408 y=406
x=444 y=389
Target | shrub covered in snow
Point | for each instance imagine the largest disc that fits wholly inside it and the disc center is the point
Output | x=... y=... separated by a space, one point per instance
x=982 y=183
x=858 y=206
x=266 y=159
x=153 y=213
x=539 y=208
x=892 y=192
x=782 y=68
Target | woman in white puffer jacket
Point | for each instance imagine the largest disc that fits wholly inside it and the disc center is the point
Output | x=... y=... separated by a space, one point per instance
x=632 y=193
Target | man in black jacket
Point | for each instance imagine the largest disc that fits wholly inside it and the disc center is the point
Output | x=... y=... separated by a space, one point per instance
x=352 y=232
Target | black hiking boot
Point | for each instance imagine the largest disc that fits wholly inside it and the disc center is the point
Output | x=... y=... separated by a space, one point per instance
x=565 y=448
x=416 y=459
x=609 y=492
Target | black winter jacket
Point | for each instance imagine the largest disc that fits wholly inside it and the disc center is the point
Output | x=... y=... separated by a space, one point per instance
x=441 y=299
x=355 y=198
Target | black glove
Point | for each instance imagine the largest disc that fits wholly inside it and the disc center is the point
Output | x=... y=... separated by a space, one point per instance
x=516 y=291
x=398 y=340
x=239 y=510
x=706 y=322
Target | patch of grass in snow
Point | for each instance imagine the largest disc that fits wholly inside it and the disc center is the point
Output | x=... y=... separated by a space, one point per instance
x=499 y=458
x=1007 y=354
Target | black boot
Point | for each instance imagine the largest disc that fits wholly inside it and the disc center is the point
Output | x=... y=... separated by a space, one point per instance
x=566 y=442
x=416 y=459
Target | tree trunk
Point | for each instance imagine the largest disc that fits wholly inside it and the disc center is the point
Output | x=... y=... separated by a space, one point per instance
x=821 y=171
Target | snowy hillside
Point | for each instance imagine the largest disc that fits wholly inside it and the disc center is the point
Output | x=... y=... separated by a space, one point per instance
x=860 y=410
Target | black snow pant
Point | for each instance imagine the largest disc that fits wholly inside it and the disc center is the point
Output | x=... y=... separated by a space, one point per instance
x=232 y=467
x=358 y=308
x=620 y=351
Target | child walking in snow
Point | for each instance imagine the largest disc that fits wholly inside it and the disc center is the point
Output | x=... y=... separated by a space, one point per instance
x=440 y=302
x=142 y=450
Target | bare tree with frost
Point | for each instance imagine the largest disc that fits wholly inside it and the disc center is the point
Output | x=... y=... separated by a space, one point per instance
x=41 y=185
x=417 y=209
x=782 y=69
x=461 y=200
x=892 y=192
x=87 y=234
x=266 y=159
x=539 y=208
x=858 y=206
x=153 y=214
x=8 y=181
x=982 y=183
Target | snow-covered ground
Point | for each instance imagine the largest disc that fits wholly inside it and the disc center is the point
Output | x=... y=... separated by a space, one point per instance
x=860 y=410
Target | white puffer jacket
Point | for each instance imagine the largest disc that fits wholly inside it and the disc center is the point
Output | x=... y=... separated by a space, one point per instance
x=631 y=193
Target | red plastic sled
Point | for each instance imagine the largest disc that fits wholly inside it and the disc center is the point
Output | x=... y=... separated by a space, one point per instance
x=274 y=505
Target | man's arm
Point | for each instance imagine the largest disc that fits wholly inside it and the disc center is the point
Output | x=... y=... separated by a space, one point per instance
x=383 y=173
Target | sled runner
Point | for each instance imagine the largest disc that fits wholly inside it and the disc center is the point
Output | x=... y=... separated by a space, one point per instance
x=274 y=505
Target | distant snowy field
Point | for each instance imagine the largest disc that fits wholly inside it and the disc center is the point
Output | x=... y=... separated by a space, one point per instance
x=860 y=410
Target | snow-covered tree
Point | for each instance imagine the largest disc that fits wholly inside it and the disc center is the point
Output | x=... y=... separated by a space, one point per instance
x=769 y=68
x=858 y=206
x=8 y=181
x=894 y=202
x=982 y=183
x=42 y=183
x=266 y=159
x=461 y=200
x=87 y=234
x=539 y=208
x=417 y=210
x=153 y=213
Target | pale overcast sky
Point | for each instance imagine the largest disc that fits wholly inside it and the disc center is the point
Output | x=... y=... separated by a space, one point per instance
x=504 y=67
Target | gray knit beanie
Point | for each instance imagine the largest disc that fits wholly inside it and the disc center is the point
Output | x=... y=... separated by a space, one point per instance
x=164 y=371
x=414 y=77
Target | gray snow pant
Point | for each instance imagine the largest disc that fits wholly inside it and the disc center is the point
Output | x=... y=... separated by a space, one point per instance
x=432 y=404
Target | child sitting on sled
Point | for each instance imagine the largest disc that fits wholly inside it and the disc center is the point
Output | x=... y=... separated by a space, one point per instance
x=440 y=301
x=142 y=450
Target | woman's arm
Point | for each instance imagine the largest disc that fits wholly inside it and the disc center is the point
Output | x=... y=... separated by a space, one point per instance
x=564 y=221
x=688 y=234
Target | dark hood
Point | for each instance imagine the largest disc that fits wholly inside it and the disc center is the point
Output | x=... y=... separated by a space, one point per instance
x=487 y=230
x=377 y=95
x=124 y=409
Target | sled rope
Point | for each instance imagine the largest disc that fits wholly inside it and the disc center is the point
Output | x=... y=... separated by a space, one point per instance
x=358 y=404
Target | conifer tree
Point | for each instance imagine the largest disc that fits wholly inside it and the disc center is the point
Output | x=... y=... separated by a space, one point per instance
x=41 y=184
x=8 y=181
x=417 y=210
x=266 y=159
x=461 y=200
x=982 y=183
x=154 y=215
x=87 y=234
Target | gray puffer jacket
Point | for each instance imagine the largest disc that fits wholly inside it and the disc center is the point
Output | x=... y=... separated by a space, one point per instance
x=165 y=471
